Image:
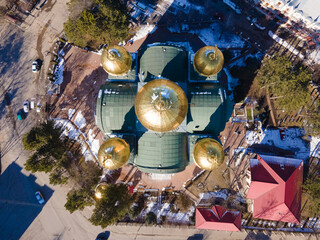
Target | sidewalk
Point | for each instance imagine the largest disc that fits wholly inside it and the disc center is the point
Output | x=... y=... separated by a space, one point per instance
x=172 y=232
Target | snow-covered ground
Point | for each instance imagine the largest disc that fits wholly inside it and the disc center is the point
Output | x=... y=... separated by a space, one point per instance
x=292 y=140
x=217 y=194
x=315 y=147
x=59 y=68
x=143 y=31
x=285 y=44
x=164 y=210
x=314 y=56
x=240 y=154
x=79 y=120
x=232 y=82
x=186 y=6
x=211 y=36
x=74 y=132
x=68 y=129
x=93 y=143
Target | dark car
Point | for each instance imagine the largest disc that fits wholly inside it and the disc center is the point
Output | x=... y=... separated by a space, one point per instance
x=20 y=114
x=103 y=236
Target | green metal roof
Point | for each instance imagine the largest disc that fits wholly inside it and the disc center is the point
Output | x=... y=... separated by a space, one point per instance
x=169 y=62
x=162 y=153
x=115 y=109
x=207 y=108
x=131 y=75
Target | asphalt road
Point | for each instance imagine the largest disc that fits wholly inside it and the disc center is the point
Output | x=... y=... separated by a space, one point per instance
x=21 y=217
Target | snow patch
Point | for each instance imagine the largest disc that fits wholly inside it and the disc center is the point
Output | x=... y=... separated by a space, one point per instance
x=93 y=143
x=144 y=31
x=59 y=71
x=292 y=140
x=68 y=129
x=80 y=121
x=315 y=147
x=212 y=36
x=217 y=194
x=71 y=112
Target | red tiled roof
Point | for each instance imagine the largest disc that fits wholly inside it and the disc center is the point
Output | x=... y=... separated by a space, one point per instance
x=218 y=218
x=276 y=185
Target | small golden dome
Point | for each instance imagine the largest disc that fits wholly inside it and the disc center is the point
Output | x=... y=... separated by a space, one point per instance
x=113 y=153
x=208 y=61
x=161 y=105
x=208 y=154
x=116 y=60
x=100 y=188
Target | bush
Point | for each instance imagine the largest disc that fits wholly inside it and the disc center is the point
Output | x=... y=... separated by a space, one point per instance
x=163 y=219
x=151 y=218
x=134 y=212
x=183 y=202
x=192 y=219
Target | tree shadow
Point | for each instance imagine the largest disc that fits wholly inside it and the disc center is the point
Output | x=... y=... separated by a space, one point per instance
x=257 y=236
x=10 y=52
x=19 y=207
x=196 y=236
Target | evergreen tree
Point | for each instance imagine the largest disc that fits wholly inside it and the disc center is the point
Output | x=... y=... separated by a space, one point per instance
x=113 y=206
x=312 y=187
x=289 y=83
x=78 y=199
x=107 y=23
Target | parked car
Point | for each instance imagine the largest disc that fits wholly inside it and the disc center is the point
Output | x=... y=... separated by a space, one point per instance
x=26 y=106
x=32 y=103
x=20 y=114
x=36 y=66
x=39 y=197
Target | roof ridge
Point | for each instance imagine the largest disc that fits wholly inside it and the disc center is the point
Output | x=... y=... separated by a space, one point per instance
x=216 y=213
x=273 y=174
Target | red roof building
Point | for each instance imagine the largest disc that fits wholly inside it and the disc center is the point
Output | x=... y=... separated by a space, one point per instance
x=218 y=218
x=276 y=186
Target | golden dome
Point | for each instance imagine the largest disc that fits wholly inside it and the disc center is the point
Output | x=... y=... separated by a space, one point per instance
x=208 y=61
x=100 y=188
x=208 y=154
x=116 y=60
x=113 y=153
x=161 y=105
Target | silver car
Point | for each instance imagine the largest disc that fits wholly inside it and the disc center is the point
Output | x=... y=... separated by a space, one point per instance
x=26 y=106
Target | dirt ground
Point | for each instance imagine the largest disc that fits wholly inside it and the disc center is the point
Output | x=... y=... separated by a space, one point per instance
x=82 y=79
x=211 y=181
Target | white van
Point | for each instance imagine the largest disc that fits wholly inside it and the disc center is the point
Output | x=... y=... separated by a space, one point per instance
x=32 y=103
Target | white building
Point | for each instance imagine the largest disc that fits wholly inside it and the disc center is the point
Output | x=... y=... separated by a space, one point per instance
x=306 y=11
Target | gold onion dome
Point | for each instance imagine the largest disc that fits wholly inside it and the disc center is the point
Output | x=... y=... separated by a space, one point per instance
x=100 y=188
x=116 y=60
x=208 y=61
x=113 y=153
x=161 y=105
x=208 y=154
